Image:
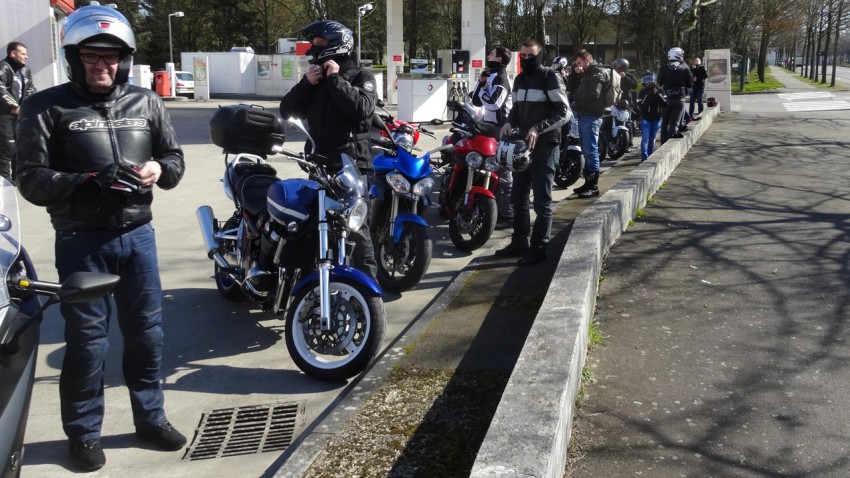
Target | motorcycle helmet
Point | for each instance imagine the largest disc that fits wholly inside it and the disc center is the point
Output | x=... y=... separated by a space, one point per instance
x=96 y=26
x=648 y=78
x=513 y=155
x=620 y=64
x=711 y=102
x=340 y=41
x=559 y=63
x=676 y=54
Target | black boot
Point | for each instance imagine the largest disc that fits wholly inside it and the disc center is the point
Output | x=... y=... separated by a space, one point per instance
x=584 y=187
x=590 y=186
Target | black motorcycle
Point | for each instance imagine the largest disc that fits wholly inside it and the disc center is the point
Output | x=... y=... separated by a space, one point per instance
x=23 y=300
x=570 y=159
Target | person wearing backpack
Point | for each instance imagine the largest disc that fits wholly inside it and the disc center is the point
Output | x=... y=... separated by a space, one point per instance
x=589 y=96
x=651 y=103
x=675 y=80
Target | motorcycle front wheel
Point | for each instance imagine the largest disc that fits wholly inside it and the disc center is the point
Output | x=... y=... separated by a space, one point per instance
x=226 y=286
x=471 y=228
x=351 y=342
x=619 y=145
x=604 y=145
x=570 y=166
x=402 y=265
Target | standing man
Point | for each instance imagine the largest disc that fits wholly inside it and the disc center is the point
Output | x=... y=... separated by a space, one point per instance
x=698 y=76
x=337 y=98
x=539 y=111
x=589 y=100
x=674 y=78
x=494 y=95
x=15 y=86
x=90 y=151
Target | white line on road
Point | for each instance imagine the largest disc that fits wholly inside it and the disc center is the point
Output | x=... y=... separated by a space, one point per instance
x=805 y=96
x=817 y=106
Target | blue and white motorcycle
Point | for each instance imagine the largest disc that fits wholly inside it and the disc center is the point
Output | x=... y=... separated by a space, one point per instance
x=400 y=191
x=285 y=245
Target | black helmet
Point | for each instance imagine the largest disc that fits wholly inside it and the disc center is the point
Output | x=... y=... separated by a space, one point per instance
x=514 y=154
x=620 y=64
x=96 y=26
x=340 y=41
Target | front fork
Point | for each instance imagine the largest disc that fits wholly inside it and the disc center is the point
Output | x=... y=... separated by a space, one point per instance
x=325 y=264
x=470 y=179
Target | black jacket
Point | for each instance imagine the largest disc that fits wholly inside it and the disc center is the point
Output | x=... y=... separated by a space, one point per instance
x=65 y=134
x=651 y=103
x=8 y=69
x=540 y=101
x=338 y=111
x=494 y=97
x=699 y=75
x=588 y=97
x=674 y=78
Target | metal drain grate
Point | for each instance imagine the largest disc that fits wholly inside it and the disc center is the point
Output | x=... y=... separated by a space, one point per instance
x=245 y=430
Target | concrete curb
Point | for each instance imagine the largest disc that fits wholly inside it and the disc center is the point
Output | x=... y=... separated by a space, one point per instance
x=530 y=431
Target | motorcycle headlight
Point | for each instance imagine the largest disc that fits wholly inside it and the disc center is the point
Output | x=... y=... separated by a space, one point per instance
x=423 y=187
x=491 y=163
x=357 y=214
x=399 y=183
x=403 y=140
x=474 y=160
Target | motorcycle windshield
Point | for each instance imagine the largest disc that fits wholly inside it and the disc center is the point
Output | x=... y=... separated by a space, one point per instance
x=352 y=184
x=10 y=236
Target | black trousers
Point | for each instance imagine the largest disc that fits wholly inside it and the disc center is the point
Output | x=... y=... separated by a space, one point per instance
x=7 y=146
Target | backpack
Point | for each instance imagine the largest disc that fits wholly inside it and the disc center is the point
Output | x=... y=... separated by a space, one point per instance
x=612 y=90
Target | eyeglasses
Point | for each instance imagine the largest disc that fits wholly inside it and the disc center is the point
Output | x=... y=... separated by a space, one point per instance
x=92 y=58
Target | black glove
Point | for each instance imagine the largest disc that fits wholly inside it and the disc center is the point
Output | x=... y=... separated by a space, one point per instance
x=120 y=178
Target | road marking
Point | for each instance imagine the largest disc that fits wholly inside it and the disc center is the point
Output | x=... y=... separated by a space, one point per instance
x=805 y=96
x=817 y=106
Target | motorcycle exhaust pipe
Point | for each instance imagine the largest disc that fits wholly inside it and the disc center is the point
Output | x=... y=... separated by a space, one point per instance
x=206 y=220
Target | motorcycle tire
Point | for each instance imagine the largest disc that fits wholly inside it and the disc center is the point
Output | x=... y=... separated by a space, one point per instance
x=403 y=265
x=604 y=145
x=618 y=147
x=471 y=229
x=569 y=169
x=227 y=287
x=358 y=322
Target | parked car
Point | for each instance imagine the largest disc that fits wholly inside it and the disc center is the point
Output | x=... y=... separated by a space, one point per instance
x=185 y=84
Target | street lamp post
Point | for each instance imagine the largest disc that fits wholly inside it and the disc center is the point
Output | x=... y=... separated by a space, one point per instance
x=170 y=48
x=362 y=10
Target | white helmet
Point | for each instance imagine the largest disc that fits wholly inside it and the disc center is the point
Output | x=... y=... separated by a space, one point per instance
x=676 y=54
x=96 y=26
x=513 y=155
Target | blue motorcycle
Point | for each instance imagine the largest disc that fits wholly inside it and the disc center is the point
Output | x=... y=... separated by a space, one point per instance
x=400 y=190
x=285 y=246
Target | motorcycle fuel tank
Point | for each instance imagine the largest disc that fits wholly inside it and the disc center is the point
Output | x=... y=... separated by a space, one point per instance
x=290 y=200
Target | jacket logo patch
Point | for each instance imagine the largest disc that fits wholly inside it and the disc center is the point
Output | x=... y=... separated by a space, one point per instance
x=368 y=86
x=87 y=124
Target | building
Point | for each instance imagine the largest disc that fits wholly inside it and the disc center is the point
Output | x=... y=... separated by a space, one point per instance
x=38 y=25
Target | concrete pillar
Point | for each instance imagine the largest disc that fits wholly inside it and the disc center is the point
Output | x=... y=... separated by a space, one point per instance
x=472 y=36
x=395 y=47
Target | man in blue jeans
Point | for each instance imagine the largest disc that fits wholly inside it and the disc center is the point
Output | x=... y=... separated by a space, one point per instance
x=539 y=110
x=90 y=150
x=589 y=100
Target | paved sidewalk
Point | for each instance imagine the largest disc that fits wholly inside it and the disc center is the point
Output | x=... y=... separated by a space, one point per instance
x=725 y=312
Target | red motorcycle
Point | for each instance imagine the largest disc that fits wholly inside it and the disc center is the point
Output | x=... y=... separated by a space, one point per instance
x=468 y=188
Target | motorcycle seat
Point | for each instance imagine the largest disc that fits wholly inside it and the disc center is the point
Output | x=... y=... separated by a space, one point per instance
x=252 y=191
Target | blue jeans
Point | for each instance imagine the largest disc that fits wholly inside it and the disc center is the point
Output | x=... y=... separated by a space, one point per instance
x=648 y=131
x=588 y=130
x=696 y=99
x=138 y=299
x=538 y=178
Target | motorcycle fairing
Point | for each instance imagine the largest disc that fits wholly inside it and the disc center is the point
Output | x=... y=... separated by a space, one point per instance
x=289 y=200
x=414 y=167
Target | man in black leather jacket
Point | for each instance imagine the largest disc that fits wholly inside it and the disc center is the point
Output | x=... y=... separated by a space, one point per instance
x=337 y=98
x=90 y=151
x=15 y=86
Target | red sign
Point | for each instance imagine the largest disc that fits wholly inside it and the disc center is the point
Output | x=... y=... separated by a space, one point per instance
x=477 y=63
x=396 y=57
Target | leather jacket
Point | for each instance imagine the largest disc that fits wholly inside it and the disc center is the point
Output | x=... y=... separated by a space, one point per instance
x=8 y=69
x=67 y=135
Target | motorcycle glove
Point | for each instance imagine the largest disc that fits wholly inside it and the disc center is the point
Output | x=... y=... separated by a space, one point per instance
x=119 y=178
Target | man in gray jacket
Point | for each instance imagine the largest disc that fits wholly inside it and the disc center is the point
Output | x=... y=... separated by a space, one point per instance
x=15 y=86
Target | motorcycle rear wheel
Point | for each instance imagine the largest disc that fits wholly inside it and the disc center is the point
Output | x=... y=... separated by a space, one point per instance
x=357 y=330
x=227 y=287
x=569 y=169
x=401 y=267
x=619 y=146
x=471 y=229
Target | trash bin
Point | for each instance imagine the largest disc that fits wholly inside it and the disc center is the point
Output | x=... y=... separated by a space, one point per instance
x=163 y=83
